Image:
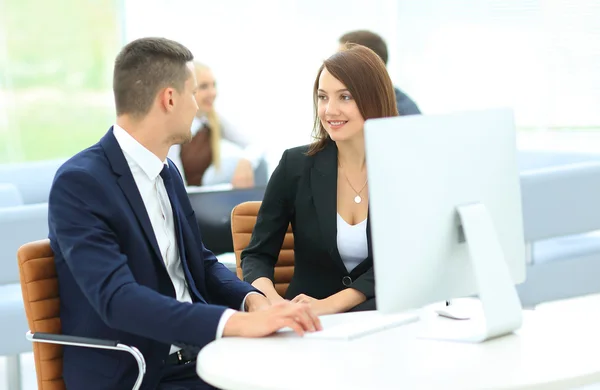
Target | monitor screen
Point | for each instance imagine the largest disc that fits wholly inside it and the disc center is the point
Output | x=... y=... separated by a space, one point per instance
x=213 y=214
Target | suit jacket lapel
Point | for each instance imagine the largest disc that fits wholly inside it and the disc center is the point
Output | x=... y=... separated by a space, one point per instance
x=323 y=182
x=196 y=285
x=127 y=183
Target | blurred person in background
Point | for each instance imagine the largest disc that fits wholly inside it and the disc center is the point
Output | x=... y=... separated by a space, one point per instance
x=219 y=152
x=406 y=106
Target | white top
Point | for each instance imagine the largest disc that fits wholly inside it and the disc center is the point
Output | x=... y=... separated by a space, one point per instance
x=145 y=168
x=352 y=242
x=252 y=152
x=551 y=351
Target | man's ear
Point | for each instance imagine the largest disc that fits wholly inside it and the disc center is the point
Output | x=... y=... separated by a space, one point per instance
x=166 y=99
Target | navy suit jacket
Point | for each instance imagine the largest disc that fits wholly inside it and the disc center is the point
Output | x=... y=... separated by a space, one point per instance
x=405 y=105
x=112 y=279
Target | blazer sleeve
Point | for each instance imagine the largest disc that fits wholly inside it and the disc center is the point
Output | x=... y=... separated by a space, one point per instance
x=80 y=219
x=259 y=258
x=365 y=283
x=224 y=286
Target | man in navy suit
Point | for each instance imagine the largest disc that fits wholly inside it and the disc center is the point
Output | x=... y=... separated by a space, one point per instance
x=129 y=256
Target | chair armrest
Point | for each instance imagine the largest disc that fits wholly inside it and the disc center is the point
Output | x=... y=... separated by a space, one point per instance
x=77 y=341
x=70 y=340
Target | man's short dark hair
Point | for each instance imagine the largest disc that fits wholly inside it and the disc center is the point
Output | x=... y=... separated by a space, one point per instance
x=368 y=39
x=145 y=66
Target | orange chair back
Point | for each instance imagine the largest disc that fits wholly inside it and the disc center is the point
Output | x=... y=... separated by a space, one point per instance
x=243 y=219
x=39 y=286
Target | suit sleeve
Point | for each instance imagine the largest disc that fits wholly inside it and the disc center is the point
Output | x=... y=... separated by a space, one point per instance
x=259 y=258
x=80 y=225
x=223 y=286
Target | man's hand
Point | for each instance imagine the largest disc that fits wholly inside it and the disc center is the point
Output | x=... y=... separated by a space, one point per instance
x=319 y=306
x=297 y=316
x=243 y=176
x=256 y=302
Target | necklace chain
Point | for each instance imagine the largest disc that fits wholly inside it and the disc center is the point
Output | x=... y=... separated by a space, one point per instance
x=350 y=184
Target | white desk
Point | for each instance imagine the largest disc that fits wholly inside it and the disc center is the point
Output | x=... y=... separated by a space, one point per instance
x=550 y=351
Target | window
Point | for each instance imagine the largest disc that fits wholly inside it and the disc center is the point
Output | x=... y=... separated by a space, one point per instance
x=539 y=56
x=56 y=61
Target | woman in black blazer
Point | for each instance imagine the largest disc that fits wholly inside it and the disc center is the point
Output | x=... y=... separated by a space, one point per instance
x=322 y=190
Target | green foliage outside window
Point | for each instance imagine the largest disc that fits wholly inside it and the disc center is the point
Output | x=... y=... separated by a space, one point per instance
x=56 y=61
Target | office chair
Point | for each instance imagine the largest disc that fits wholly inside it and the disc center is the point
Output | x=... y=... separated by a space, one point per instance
x=243 y=219
x=39 y=285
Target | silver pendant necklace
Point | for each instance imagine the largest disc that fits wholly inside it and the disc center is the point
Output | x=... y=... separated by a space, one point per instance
x=357 y=198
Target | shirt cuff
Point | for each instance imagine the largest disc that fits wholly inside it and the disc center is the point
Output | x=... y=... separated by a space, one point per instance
x=227 y=315
x=243 y=308
x=224 y=318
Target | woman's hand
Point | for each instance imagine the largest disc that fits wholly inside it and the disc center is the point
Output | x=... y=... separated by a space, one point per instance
x=337 y=303
x=276 y=298
x=268 y=288
x=318 y=306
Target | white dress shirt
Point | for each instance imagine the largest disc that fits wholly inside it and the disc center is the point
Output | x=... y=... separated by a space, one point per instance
x=146 y=167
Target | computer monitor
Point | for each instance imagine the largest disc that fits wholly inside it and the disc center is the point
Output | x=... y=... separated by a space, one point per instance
x=445 y=212
x=213 y=206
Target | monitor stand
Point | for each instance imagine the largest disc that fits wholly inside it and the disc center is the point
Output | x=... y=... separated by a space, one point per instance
x=501 y=311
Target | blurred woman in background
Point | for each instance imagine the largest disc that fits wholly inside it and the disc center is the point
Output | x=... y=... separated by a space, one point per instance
x=219 y=152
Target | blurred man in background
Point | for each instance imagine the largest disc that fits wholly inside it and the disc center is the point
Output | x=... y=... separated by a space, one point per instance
x=406 y=106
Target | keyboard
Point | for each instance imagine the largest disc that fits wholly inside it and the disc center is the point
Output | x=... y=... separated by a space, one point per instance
x=356 y=329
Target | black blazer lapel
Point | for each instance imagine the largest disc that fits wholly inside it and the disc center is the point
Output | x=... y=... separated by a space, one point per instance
x=323 y=182
x=127 y=183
